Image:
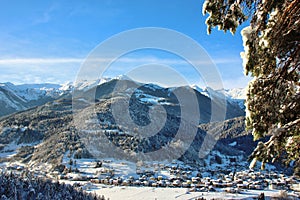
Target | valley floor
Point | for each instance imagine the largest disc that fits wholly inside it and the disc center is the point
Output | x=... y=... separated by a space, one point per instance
x=120 y=179
x=150 y=193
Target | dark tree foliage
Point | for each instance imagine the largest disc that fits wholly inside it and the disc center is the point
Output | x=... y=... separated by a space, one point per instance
x=14 y=186
x=271 y=57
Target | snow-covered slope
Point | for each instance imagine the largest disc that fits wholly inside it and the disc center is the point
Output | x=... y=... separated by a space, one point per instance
x=235 y=95
x=15 y=98
x=201 y=90
x=85 y=85
x=29 y=92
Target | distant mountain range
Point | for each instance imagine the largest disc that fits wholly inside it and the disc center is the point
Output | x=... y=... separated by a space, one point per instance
x=235 y=95
x=14 y=98
x=43 y=129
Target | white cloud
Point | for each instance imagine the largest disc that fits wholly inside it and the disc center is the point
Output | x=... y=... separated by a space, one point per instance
x=140 y=60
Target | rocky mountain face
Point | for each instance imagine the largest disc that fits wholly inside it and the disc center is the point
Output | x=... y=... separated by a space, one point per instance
x=44 y=134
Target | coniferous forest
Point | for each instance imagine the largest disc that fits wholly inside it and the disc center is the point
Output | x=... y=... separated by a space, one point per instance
x=26 y=186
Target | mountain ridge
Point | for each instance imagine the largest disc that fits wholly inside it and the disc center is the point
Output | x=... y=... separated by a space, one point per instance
x=16 y=98
x=48 y=131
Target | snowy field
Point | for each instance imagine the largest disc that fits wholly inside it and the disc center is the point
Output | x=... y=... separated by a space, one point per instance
x=150 y=193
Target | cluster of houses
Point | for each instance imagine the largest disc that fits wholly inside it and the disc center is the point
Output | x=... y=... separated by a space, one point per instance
x=232 y=182
x=184 y=176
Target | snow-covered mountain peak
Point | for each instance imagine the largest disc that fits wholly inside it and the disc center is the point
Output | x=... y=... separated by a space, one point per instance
x=201 y=90
x=19 y=97
x=123 y=78
x=30 y=92
x=88 y=84
x=68 y=86
x=236 y=93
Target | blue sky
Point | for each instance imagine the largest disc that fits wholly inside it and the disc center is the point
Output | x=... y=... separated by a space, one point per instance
x=46 y=41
